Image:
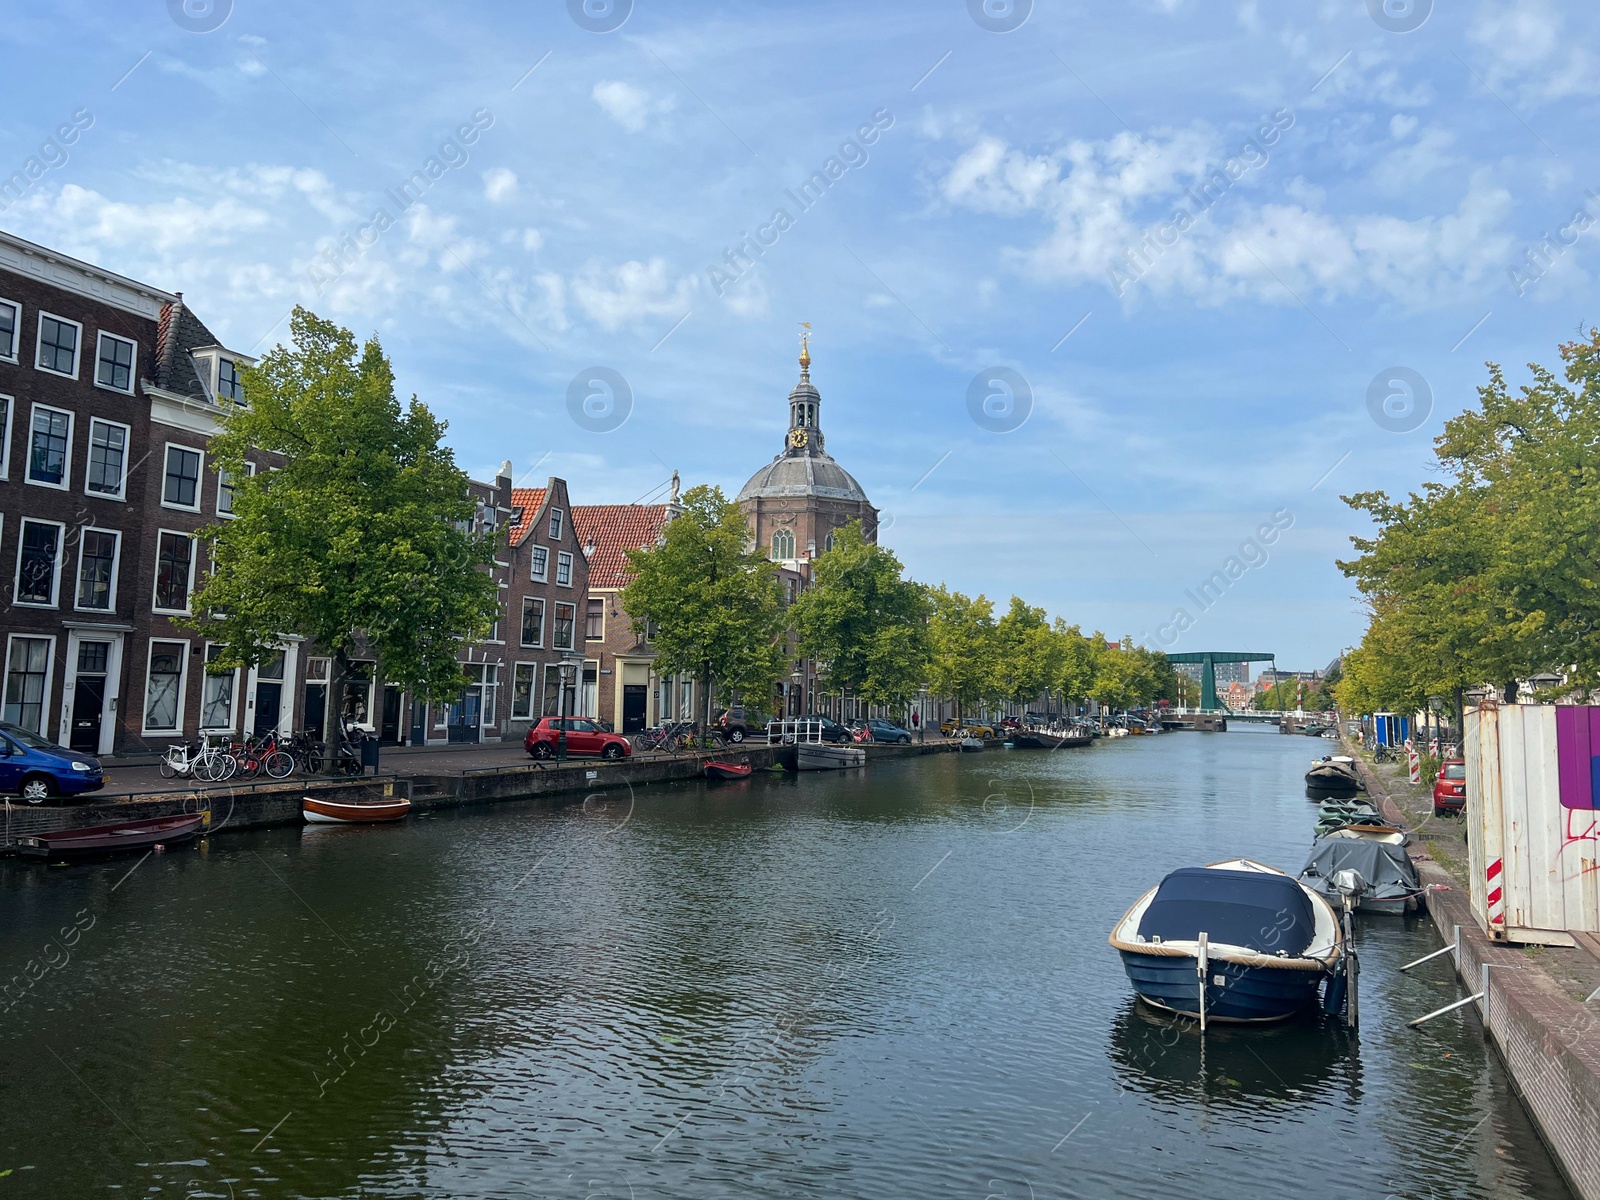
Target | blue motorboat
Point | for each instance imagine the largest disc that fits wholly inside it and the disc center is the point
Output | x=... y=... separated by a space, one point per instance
x=1232 y=941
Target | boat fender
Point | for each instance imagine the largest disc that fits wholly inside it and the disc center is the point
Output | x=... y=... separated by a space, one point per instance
x=1333 y=995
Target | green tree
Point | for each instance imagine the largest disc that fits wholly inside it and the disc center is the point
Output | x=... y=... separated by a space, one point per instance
x=1029 y=653
x=714 y=602
x=1075 y=675
x=962 y=667
x=865 y=621
x=360 y=540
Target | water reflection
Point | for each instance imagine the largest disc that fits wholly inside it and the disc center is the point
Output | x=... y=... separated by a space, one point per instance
x=1305 y=1061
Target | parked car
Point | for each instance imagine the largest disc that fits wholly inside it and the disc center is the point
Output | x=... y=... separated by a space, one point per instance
x=973 y=728
x=739 y=721
x=1450 y=789
x=37 y=769
x=832 y=731
x=887 y=731
x=584 y=737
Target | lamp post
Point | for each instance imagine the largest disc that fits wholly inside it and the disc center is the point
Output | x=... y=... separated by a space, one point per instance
x=795 y=694
x=569 y=662
x=922 y=716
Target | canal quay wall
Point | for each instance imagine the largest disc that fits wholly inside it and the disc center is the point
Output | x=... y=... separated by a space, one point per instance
x=1532 y=1008
x=239 y=806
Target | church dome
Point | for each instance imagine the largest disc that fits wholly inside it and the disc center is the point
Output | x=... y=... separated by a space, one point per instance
x=815 y=474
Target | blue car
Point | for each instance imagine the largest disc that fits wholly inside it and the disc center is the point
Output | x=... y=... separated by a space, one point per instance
x=37 y=769
x=888 y=731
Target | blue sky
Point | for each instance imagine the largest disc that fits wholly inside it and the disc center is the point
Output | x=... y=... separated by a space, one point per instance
x=1177 y=399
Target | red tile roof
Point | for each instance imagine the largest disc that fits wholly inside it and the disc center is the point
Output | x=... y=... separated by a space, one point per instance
x=528 y=500
x=614 y=529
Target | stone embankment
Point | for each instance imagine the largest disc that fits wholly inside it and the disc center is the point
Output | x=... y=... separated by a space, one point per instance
x=1535 y=1008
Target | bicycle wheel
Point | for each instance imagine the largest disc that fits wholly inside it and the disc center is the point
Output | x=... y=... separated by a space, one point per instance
x=207 y=768
x=277 y=765
x=227 y=768
x=169 y=768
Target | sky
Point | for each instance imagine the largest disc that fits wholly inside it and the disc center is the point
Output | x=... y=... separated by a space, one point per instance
x=1107 y=300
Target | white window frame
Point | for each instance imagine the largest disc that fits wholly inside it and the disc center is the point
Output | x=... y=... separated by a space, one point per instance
x=49 y=676
x=534 y=574
x=121 y=494
x=55 y=579
x=216 y=379
x=533 y=691
x=558 y=521
x=38 y=343
x=249 y=470
x=66 y=467
x=553 y=620
x=233 y=699
x=183 y=686
x=199 y=482
x=155 y=576
x=133 y=365
x=6 y=423
x=16 y=342
x=563 y=559
x=116 y=571
x=544 y=621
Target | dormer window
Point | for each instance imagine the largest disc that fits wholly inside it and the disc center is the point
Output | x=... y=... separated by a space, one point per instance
x=229 y=386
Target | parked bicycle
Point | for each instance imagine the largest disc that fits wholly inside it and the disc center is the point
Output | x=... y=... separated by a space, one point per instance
x=257 y=756
x=203 y=760
x=1382 y=754
x=667 y=737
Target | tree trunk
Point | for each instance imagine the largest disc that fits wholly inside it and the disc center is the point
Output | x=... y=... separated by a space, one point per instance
x=333 y=715
x=705 y=682
x=1459 y=703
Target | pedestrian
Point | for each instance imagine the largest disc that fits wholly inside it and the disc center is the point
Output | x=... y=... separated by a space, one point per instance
x=916 y=720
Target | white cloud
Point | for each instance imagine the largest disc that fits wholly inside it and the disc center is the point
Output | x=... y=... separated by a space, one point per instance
x=1101 y=201
x=1401 y=125
x=623 y=294
x=1531 y=51
x=499 y=184
x=627 y=105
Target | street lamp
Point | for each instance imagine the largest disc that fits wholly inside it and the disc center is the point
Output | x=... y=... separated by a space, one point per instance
x=795 y=693
x=922 y=715
x=570 y=660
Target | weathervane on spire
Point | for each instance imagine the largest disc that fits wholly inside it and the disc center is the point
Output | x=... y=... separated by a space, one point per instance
x=805 y=344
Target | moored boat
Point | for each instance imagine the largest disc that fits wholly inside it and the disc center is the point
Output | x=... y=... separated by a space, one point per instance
x=1232 y=941
x=1335 y=773
x=336 y=812
x=112 y=839
x=825 y=756
x=1385 y=879
x=718 y=769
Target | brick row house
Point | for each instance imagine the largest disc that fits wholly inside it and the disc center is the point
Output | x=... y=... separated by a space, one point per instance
x=109 y=390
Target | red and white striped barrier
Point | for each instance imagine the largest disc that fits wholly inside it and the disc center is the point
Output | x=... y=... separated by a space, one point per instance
x=1416 y=763
x=1495 y=899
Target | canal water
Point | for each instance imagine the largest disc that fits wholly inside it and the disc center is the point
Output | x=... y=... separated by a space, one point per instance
x=892 y=983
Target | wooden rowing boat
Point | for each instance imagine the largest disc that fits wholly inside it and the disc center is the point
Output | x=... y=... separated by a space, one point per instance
x=111 y=839
x=336 y=812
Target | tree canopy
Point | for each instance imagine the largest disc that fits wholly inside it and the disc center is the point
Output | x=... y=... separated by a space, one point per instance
x=714 y=601
x=359 y=538
x=1492 y=574
x=864 y=621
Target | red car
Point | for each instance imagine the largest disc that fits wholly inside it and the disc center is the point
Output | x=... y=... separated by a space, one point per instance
x=1450 y=789
x=584 y=737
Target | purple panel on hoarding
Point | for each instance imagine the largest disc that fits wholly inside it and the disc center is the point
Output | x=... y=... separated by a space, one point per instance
x=1577 y=767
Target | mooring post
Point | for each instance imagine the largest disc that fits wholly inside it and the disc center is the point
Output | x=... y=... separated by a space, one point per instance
x=1202 y=965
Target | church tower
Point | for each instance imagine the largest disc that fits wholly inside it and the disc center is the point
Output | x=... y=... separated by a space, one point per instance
x=796 y=502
